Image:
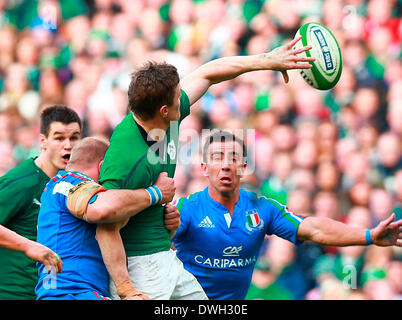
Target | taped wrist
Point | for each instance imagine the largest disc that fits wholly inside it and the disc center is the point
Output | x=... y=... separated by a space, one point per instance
x=155 y=195
x=79 y=196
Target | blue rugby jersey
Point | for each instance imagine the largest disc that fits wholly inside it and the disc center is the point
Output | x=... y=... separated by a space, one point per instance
x=72 y=239
x=221 y=251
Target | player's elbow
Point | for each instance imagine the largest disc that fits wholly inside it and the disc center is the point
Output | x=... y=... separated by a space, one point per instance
x=99 y=214
x=309 y=230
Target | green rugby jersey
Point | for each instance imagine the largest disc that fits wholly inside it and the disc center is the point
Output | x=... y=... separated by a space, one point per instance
x=20 y=192
x=131 y=164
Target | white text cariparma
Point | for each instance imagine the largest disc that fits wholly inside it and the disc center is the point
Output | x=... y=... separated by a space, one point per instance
x=225 y=263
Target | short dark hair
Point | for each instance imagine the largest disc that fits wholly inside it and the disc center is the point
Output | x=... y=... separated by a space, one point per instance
x=57 y=113
x=152 y=86
x=222 y=136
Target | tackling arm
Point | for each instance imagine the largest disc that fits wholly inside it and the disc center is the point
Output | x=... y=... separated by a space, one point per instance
x=114 y=257
x=116 y=205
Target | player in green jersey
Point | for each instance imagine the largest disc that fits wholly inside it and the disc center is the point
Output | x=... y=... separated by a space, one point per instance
x=20 y=192
x=145 y=144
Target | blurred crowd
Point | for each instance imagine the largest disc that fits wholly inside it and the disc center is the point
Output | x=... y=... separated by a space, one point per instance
x=333 y=153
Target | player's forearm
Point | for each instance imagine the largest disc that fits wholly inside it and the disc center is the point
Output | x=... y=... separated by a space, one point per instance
x=116 y=205
x=230 y=67
x=13 y=241
x=330 y=232
x=113 y=253
x=198 y=82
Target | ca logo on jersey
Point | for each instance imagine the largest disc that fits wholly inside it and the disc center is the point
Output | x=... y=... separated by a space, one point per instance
x=232 y=251
x=254 y=222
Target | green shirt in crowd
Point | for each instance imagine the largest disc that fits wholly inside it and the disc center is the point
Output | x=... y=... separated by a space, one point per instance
x=133 y=162
x=20 y=192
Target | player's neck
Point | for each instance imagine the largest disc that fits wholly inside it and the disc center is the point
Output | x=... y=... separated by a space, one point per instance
x=227 y=200
x=46 y=166
x=154 y=127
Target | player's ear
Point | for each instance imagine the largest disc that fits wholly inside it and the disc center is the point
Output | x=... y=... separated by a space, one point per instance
x=100 y=165
x=43 y=141
x=204 y=169
x=164 y=111
x=242 y=169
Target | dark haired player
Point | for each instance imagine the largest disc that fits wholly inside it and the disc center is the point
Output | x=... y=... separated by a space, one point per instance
x=219 y=241
x=20 y=192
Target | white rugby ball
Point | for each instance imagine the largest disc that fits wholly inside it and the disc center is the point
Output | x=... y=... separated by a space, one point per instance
x=327 y=67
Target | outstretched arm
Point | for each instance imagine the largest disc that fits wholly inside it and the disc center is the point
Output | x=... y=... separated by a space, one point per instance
x=34 y=250
x=329 y=232
x=280 y=59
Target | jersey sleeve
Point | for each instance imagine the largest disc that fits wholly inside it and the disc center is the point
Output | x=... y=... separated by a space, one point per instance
x=12 y=200
x=184 y=106
x=184 y=217
x=123 y=173
x=283 y=223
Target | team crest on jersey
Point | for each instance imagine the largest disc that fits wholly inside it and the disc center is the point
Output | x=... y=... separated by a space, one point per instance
x=254 y=222
x=171 y=150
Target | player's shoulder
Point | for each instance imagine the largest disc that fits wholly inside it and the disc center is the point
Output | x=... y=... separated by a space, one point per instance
x=259 y=200
x=191 y=200
x=22 y=176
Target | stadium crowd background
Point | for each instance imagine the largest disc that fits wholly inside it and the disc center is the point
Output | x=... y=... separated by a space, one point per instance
x=333 y=153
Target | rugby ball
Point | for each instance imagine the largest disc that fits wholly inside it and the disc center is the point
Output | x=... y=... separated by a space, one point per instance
x=327 y=67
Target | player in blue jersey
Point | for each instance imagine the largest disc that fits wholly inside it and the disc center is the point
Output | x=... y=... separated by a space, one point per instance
x=222 y=227
x=72 y=203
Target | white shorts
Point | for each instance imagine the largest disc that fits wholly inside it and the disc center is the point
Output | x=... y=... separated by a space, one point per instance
x=162 y=276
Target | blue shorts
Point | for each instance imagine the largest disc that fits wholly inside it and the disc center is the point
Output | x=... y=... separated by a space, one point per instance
x=88 y=295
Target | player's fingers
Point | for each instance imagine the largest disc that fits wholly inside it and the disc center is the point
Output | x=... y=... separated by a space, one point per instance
x=303 y=59
x=395 y=225
x=294 y=41
x=285 y=76
x=301 y=50
x=389 y=219
x=172 y=217
x=169 y=208
x=398 y=223
x=172 y=214
x=60 y=265
x=172 y=222
x=300 y=66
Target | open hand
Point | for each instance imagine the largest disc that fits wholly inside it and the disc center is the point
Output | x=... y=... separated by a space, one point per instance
x=387 y=232
x=42 y=254
x=286 y=58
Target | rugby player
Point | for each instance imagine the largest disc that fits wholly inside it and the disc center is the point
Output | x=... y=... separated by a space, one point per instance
x=72 y=203
x=20 y=192
x=223 y=227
